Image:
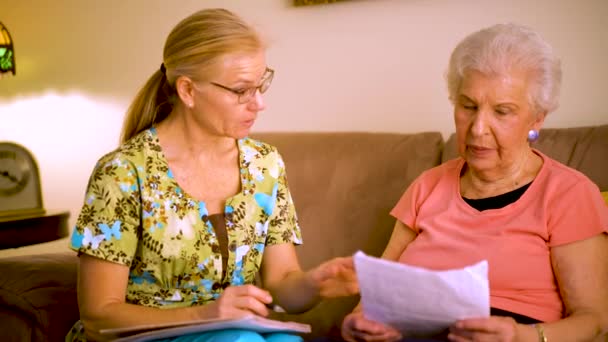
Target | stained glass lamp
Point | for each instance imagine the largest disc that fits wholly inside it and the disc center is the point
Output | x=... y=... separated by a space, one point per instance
x=7 y=52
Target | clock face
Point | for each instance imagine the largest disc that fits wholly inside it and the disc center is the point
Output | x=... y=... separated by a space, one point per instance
x=15 y=169
x=20 y=191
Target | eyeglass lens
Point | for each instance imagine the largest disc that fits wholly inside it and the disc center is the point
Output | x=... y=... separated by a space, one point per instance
x=266 y=81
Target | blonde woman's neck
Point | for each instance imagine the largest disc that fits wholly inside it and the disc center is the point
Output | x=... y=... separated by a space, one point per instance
x=180 y=136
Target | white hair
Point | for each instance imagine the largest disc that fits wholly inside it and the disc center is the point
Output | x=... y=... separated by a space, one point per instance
x=498 y=50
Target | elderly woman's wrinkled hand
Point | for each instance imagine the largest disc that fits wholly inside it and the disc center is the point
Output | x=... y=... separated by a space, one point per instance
x=494 y=328
x=335 y=278
x=356 y=328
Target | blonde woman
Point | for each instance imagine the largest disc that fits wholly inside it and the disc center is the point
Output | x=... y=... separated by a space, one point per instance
x=179 y=219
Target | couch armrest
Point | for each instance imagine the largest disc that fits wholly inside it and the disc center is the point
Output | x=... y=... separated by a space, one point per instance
x=38 y=292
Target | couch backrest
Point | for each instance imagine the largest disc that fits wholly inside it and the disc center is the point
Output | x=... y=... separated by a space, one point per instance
x=345 y=184
x=582 y=148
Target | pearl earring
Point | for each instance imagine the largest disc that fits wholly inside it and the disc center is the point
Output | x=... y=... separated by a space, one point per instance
x=533 y=135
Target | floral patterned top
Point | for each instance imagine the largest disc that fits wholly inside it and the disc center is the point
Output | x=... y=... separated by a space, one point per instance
x=135 y=214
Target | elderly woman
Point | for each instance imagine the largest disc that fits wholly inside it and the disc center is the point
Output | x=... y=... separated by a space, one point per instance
x=541 y=225
x=179 y=219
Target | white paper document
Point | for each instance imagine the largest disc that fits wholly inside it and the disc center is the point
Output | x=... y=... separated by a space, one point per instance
x=418 y=301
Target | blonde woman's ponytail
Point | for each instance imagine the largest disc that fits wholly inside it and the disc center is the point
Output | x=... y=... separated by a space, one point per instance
x=151 y=105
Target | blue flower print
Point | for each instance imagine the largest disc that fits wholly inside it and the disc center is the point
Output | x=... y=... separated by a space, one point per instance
x=145 y=277
x=202 y=209
x=266 y=202
x=76 y=240
x=109 y=232
x=126 y=187
x=207 y=284
x=203 y=264
x=237 y=276
x=259 y=247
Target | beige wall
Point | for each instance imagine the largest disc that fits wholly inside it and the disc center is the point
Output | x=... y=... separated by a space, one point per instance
x=357 y=65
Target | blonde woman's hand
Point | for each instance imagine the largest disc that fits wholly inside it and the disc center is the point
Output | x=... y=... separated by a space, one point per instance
x=335 y=278
x=356 y=328
x=239 y=301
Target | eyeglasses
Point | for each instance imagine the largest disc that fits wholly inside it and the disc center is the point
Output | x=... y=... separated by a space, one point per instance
x=245 y=95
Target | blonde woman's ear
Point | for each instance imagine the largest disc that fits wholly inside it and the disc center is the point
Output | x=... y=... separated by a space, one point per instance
x=185 y=90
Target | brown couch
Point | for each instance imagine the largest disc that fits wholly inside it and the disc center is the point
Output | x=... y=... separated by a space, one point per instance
x=343 y=184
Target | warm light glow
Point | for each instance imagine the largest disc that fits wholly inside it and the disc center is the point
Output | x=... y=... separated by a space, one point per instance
x=66 y=134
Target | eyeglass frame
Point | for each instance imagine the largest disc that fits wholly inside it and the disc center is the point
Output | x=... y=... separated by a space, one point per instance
x=267 y=80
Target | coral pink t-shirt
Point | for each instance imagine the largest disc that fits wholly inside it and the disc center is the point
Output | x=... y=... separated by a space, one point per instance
x=560 y=206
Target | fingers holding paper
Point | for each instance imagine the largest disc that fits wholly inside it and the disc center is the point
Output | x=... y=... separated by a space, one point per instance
x=494 y=328
x=239 y=301
x=335 y=278
x=356 y=328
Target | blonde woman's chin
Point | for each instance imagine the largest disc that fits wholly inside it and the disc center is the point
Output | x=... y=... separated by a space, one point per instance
x=244 y=129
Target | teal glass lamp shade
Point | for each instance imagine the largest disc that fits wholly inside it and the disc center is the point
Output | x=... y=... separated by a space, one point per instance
x=7 y=52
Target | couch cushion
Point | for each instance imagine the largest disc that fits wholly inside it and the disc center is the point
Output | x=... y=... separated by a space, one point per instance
x=582 y=148
x=41 y=295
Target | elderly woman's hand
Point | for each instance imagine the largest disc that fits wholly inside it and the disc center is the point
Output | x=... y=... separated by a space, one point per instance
x=335 y=278
x=356 y=328
x=494 y=328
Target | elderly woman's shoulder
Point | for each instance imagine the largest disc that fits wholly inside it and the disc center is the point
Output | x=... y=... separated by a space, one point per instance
x=446 y=167
x=441 y=172
x=564 y=176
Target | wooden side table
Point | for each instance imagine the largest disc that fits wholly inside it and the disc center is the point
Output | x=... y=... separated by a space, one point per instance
x=18 y=231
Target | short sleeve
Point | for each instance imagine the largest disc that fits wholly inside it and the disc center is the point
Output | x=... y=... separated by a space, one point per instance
x=577 y=213
x=108 y=224
x=283 y=226
x=405 y=209
x=432 y=183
